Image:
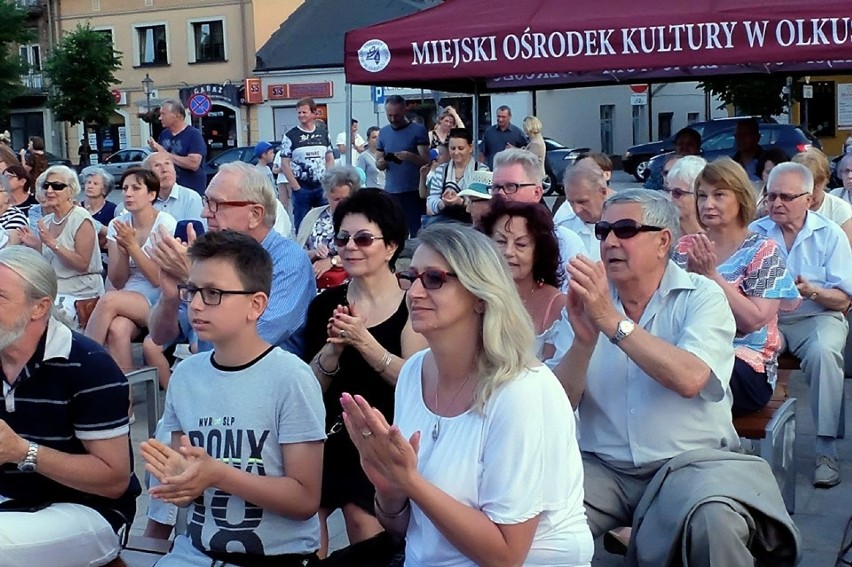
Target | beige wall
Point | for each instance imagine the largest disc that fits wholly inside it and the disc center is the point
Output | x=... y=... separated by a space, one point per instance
x=268 y=17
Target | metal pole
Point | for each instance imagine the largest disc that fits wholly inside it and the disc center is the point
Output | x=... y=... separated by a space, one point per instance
x=347 y=157
x=476 y=117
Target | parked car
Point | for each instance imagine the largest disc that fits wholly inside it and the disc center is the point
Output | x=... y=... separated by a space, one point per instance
x=53 y=159
x=557 y=159
x=242 y=153
x=122 y=160
x=635 y=159
x=792 y=139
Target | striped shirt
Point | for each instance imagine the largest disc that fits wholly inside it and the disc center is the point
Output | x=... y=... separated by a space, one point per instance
x=70 y=391
x=13 y=218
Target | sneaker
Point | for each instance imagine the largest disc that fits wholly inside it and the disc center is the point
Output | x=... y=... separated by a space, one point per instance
x=826 y=473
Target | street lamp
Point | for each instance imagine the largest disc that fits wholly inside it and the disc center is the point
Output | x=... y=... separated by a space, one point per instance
x=146 y=84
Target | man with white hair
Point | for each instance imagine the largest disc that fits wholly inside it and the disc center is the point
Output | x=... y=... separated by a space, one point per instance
x=818 y=256
x=179 y=201
x=516 y=178
x=586 y=190
x=66 y=481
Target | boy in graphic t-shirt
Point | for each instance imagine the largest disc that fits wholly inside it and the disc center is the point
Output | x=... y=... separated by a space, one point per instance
x=246 y=420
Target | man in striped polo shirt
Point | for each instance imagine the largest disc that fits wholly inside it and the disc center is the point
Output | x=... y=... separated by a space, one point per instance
x=66 y=480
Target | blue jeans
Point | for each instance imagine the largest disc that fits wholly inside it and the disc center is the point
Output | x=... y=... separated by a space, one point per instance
x=304 y=200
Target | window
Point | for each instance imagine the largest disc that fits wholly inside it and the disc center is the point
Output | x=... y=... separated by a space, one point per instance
x=208 y=41
x=691 y=117
x=153 y=45
x=664 y=124
x=107 y=33
x=607 y=113
x=818 y=112
x=30 y=57
x=637 y=124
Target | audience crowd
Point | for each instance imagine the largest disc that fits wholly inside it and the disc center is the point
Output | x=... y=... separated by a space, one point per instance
x=500 y=386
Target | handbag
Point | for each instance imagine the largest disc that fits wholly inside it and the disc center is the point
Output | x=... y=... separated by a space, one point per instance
x=84 y=308
x=332 y=277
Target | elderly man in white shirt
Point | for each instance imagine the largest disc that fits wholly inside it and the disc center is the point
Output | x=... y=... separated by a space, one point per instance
x=180 y=202
x=516 y=177
x=645 y=352
x=585 y=193
x=818 y=255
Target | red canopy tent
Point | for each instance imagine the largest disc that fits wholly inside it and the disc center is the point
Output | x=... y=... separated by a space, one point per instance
x=482 y=45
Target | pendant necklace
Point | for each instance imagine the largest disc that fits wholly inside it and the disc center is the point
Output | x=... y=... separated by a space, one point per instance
x=436 y=429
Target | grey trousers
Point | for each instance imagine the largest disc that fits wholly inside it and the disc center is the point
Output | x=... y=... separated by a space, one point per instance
x=717 y=533
x=818 y=340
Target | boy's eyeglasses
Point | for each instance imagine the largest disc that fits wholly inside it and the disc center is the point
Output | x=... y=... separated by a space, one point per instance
x=431 y=279
x=361 y=239
x=209 y=295
x=623 y=229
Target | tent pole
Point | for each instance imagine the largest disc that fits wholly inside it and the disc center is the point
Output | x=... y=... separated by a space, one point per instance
x=476 y=116
x=347 y=157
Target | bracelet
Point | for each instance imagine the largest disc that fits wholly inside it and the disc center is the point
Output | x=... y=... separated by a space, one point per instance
x=323 y=370
x=387 y=358
x=385 y=514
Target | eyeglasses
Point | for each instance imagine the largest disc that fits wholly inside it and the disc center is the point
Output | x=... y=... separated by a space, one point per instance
x=845 y=171
x=678 y=193
x=209 y=295
x=362 y=239
x=666 y=172
x=55 y=185
x=431 y=279
x=785 y=198
x=10 y=174
x=623 y=229
x=508 y=188
x=213 y=205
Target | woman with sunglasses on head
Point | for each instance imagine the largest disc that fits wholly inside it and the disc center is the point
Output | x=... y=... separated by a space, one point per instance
x=453 y=177
x=134 y=277
x=750 y=270
x=357 y=337
x=523 y=232
x=481 y=465
x=680 y=187
x=66 y=237
x=21 y=185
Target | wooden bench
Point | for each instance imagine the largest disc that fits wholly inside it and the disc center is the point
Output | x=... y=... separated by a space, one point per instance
x=774 y=427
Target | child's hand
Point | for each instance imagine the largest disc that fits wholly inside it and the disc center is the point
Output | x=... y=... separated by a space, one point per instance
x=183 y=475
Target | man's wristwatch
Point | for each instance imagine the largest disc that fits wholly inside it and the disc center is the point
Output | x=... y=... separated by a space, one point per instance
x=625 y=327
x=335 y=261
x=813 y=296
x=30 y=462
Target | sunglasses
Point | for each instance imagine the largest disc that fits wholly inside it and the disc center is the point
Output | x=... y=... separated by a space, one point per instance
x=362 y=239
x=55 y=185
x=678 y=193
x=623 y=229
x=431 y=279
x=784 y=197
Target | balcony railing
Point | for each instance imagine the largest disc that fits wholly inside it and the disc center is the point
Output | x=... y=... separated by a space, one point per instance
x=34 y=82
x=27 y=3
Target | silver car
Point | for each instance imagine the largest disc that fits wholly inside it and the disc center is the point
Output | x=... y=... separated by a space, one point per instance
x=122 y=160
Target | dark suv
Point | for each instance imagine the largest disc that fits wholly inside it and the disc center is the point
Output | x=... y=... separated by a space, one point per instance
x=635 y=160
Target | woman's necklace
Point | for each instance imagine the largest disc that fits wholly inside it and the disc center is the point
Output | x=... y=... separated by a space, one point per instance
x=436 y=429
x=65 y=218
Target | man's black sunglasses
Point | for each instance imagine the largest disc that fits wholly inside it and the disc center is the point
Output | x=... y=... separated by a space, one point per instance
x=623 y=229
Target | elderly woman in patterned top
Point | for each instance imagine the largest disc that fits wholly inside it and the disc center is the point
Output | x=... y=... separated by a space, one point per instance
x=750 y=270
x=316 y=233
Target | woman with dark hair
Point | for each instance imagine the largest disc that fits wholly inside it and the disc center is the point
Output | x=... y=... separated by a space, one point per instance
x=523 y=232
x=765 y=163
x=453 y=177
x=21 y=187
x=33 y=157
x=357 y=337
x=122 y=312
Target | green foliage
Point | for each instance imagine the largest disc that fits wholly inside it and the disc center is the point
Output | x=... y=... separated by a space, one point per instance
x=13 y=31
x=82 y=72
x=759 y=95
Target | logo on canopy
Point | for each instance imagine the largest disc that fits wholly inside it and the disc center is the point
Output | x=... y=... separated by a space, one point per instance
x=374 y=55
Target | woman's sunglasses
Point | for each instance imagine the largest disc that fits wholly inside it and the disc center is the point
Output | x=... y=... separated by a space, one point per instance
x=431 y=279
x=623 y=229
x=361 y=239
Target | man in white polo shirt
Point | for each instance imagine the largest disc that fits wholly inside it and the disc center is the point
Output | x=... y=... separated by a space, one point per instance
x=180 y=202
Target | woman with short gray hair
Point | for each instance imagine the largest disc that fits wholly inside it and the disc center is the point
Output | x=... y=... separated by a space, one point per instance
x=97 y=184
x=67 y=239
x=680 y=186
x=316 y=233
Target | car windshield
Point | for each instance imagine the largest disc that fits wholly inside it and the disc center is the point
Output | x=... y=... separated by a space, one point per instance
x=227 y=157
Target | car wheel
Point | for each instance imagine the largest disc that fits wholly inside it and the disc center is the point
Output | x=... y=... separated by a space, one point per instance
x=641 y=173
x=548 y=186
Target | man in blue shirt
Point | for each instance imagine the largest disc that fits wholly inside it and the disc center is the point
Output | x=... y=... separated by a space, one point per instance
x=180 y=202
x=500 y=136
x=403 y=149
x=185 y=143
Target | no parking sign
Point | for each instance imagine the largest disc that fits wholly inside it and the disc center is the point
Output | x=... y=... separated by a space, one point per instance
x=200 y=105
